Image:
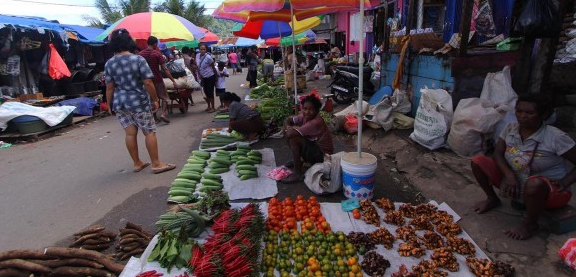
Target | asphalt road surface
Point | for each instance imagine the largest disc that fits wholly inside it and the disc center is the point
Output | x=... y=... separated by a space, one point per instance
x=83 y=175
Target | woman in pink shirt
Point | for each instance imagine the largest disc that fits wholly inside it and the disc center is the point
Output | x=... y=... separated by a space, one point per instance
x=233 y=58
x=308 y=137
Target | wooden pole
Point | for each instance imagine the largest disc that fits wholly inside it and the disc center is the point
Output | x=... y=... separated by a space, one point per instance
x=465 y=26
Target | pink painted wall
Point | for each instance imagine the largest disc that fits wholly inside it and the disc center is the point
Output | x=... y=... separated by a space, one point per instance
x=342 y=21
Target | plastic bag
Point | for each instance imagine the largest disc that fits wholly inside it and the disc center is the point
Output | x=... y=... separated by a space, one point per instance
x=351 y=124
x=326 y=177
x=57 y=68
x=433 y=118
x=539 y=18
x=474 y=119
x=568 y=253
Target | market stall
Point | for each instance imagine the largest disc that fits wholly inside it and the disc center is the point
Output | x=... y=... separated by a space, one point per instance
x=380 y=239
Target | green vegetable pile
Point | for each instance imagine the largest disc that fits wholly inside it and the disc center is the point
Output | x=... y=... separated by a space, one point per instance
x=245 y=161
x=326 y=116
x=222 y=116
x=267 y=91
x=276 y=109
x=215 y=140
x=173 y=249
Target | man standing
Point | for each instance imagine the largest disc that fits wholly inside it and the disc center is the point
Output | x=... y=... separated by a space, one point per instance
x=156 y=61
x=252 y=66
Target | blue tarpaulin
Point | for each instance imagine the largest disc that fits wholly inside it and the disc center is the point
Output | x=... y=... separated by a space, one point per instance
x=84 y=105
x=85 y=34
x=248 y=42
x=30 y=23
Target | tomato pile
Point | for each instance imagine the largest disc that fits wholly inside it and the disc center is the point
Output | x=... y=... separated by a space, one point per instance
x=284 y=215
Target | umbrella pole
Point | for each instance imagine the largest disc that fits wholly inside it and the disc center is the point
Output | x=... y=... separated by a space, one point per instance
x=361 y=78
x=294 y=61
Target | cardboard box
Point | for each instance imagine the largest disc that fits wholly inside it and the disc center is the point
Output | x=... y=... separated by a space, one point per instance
x=34 y=96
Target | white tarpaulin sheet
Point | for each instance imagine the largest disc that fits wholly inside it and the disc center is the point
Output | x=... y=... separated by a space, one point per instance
x=339 y=221
x=51 y=115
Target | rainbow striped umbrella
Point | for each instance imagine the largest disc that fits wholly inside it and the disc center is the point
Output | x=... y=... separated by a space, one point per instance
x=164 y=26
x=209 y=38
x=271 y=28
x=299 y=39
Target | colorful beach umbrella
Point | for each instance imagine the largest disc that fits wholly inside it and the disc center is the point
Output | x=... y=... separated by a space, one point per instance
x=164 y=26
x=301 y=38
x=270 y=28
x=209 y=38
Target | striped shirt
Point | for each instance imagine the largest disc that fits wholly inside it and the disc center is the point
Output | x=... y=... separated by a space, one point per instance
x=154 y=60
x=205 y=64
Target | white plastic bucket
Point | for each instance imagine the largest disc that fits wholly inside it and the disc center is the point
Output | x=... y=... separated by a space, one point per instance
x=358 y=175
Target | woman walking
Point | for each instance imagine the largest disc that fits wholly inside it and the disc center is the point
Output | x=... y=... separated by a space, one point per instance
x=207 y=71
x=129 y=88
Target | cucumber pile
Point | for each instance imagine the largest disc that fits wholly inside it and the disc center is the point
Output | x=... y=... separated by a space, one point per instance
x=220 y=163
x=211 y=180
x=245 y=160
x=216 y=140
x=184 y=186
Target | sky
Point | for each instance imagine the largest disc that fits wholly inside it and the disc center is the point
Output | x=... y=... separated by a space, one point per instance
x=69 y=11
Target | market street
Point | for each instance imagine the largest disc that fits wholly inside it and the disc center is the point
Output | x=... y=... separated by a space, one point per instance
x=61 y=184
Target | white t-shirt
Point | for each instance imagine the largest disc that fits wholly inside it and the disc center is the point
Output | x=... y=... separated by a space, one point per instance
x=221 y=81
x=223 y=58
x=548 y=161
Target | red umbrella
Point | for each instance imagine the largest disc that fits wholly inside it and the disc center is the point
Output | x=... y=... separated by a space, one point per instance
x=209 y=36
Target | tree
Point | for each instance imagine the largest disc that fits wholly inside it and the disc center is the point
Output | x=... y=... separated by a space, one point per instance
x=193 y=11
x=111 y=14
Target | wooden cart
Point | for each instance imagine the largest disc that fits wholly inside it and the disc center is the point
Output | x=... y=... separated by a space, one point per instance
x=179 y=99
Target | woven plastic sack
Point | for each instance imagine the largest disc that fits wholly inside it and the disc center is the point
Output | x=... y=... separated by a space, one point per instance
x=433 y=118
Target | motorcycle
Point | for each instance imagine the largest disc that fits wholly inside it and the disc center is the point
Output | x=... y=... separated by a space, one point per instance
x=344 y=87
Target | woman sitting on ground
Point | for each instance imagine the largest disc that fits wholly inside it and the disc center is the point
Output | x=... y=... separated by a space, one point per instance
x=529 y=165
x=243 y=119
x=308 y=137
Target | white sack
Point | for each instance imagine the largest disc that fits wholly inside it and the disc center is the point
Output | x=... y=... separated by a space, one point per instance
x=433 y=118
x=186 y=82
x=473 y=122
x=498 y=89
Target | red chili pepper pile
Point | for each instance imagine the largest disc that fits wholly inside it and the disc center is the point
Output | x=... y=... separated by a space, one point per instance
x=233 y=248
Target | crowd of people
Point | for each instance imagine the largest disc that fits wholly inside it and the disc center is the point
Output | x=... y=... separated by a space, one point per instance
x=135 y=88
